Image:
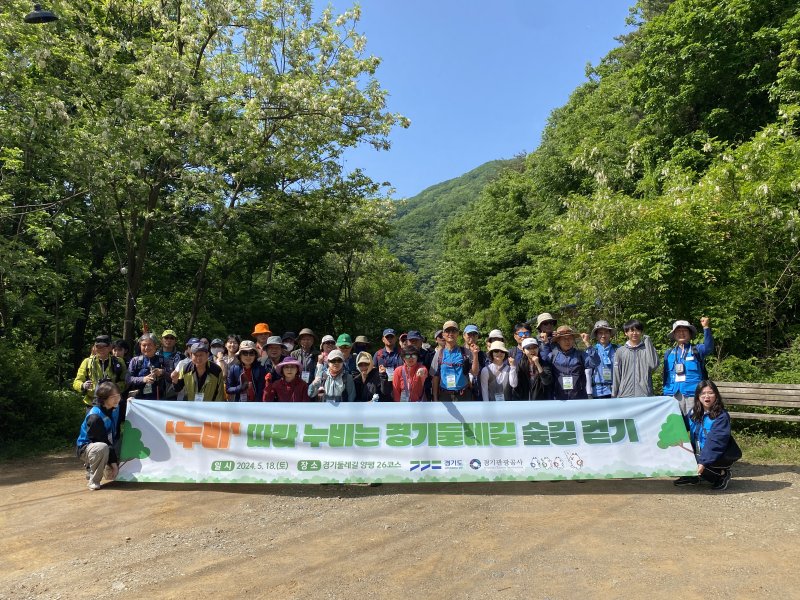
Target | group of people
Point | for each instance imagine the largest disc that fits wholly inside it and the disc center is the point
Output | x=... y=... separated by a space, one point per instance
x=544 y=363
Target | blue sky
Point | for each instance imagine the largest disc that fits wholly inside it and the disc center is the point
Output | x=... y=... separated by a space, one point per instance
x=478 y=79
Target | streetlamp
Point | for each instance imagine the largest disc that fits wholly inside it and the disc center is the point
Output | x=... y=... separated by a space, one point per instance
x=40 y=16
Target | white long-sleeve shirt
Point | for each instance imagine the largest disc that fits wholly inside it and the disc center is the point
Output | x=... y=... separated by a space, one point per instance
x=497 y=380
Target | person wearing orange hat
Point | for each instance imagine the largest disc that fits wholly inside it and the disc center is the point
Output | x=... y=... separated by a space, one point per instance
x=261 y=333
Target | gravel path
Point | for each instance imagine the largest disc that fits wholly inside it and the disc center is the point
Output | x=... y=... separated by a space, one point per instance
x=566 y=540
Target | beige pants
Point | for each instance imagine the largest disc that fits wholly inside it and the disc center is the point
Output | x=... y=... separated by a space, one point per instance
x=95 y=455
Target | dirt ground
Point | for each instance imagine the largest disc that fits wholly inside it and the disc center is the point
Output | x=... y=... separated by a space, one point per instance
x=599 y=539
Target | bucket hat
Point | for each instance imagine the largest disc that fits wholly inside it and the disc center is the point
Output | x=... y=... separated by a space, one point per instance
x=261 y=329
x=288 y=362
x=247 y=346
x=686 y=324
x=565 y=331
x=498 y=346
x=602 y=325
x=544 y=318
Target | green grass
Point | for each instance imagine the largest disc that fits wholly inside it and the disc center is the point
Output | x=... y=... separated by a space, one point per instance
x=759 y=447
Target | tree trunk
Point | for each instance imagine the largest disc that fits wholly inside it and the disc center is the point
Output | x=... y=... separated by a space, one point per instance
x=137 y=254
x=198 y=292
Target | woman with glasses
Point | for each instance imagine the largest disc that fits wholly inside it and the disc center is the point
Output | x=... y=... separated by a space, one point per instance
x=245 y=381
x=334 y=384
x=99 y=434
x=408 y=380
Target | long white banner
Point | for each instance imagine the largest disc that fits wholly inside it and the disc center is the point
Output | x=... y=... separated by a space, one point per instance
x=218 y=442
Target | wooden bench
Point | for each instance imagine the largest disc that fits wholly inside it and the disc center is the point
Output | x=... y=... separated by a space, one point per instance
x=775 y=395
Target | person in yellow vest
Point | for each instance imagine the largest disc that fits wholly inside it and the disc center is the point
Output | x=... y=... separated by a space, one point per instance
x=100 y=366
x=202 y=380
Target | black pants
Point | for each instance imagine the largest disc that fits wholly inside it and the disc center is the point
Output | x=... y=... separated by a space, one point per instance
x=716 y=472
x=448 y=396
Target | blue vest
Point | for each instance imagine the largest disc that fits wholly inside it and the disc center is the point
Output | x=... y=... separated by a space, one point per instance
x=110 y=424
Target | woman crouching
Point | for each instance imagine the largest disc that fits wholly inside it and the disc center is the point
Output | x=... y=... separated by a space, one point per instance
x=98 y=435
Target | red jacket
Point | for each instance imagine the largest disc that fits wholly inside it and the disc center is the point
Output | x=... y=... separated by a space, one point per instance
x=284 y=391
x=416 y=384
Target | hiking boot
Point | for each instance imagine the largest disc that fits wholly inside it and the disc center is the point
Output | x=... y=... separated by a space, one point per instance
x=94 y=486
x=722 y=484
x=684 y=481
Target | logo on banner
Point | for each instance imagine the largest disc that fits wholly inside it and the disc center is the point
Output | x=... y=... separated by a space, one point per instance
x=424 y=465
x=475 y=464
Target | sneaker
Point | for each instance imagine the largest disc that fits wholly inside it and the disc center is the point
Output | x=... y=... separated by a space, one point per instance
x=94 y=486
x=722 y=484
x=684 y=481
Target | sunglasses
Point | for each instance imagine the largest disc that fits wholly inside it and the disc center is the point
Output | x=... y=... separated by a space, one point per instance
x=248 y=353
x=409 y=356
x=336 y=361
x=524 y=334
x=451 y=330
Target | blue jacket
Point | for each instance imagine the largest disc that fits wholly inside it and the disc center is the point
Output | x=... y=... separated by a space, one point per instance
x=100 y=425
x=233 y=384
x=710 y=437
x=602 y=386
x=569 y=364
x=138 y=369
x=691 y=358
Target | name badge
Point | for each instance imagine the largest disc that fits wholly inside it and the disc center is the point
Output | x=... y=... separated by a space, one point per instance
x=500 y=397
x=148 y=389
x=405 y=396
x=566 y=383
x=306 y=376
x=390 y=373
x=606 y=374
x=690 y=357
x=680 y=368
x=450 y=381
x=680 y=378
x=198 y=397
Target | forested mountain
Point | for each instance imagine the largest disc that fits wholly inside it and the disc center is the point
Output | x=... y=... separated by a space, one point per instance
x=667 y=187
x=419 y=221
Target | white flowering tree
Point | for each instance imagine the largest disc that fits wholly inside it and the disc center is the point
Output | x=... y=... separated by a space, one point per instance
x=166 y=117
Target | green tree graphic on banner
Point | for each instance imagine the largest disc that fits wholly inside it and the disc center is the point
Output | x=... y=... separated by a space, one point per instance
x=132 y=446
x=673 y=433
